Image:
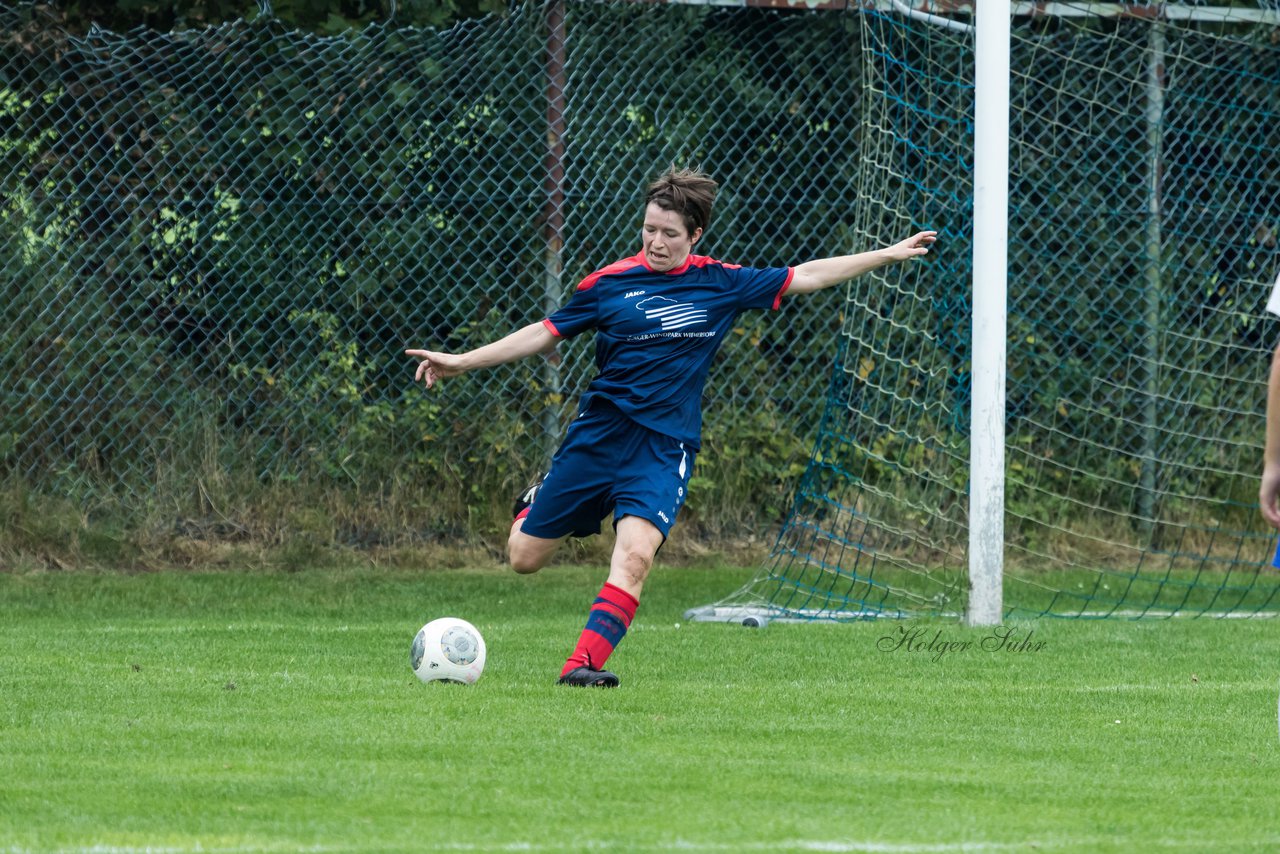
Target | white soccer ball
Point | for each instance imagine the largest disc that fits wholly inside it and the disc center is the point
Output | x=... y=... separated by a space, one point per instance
x=448 y=650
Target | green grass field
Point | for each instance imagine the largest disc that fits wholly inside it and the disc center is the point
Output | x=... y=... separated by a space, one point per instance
x=277 y=712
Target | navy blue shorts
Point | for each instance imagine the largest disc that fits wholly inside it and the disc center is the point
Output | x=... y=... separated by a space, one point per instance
x=609 y=463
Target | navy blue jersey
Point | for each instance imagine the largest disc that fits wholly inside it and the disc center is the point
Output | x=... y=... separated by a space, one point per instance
x=656 y=333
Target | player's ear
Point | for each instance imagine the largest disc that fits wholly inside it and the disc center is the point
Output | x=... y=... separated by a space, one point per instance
x=697 y=232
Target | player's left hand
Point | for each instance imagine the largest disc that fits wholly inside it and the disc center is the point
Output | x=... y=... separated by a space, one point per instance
x=916 y=244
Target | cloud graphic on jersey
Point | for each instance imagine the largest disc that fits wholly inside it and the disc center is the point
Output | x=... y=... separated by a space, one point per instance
x=673 y=314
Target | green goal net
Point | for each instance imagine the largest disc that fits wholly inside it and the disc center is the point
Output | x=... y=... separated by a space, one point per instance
x=1144 y=206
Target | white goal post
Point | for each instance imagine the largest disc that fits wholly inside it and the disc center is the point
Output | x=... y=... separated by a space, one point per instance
x=990 y=313
x=1103 y=159
x=991 y=29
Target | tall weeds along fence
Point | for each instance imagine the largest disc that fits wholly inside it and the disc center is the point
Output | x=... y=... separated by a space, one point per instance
x=219 y=241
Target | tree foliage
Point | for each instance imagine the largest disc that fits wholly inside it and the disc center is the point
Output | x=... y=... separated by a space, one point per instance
x=325 y=17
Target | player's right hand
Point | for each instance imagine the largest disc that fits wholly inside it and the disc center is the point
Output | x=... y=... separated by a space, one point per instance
x=435 y=366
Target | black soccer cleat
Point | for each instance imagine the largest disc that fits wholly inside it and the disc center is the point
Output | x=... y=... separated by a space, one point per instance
x=585 y=677
x=526 y=496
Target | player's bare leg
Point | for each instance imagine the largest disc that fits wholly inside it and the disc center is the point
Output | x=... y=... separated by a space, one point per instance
x=615 y=607
x=528 y=553
x=633 y=552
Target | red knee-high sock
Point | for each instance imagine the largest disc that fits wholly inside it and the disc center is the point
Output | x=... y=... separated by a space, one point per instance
x=610 y=617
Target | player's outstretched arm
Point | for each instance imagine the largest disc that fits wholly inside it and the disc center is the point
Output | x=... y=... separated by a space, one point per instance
x=823 y=273
x=534 y=338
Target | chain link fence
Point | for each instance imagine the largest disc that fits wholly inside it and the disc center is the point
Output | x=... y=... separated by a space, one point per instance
x=220 y=240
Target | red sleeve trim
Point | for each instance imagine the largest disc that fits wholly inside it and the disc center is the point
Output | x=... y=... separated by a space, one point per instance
x=777 y=301
x=551 y=327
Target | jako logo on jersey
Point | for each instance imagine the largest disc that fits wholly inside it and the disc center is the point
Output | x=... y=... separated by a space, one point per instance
x=673 y=315
x=631 y=294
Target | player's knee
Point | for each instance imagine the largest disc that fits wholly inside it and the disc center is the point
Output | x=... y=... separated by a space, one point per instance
x=635 y=564
x=522 y=561
x=524 y=564
x=524 y=558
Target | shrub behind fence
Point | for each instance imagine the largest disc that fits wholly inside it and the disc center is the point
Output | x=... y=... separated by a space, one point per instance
x=220 y=240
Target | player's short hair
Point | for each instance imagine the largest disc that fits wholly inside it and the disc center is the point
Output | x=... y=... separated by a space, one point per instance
x=688 y=192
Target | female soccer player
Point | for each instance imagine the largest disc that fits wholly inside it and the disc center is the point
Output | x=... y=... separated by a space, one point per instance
x=659 y=318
